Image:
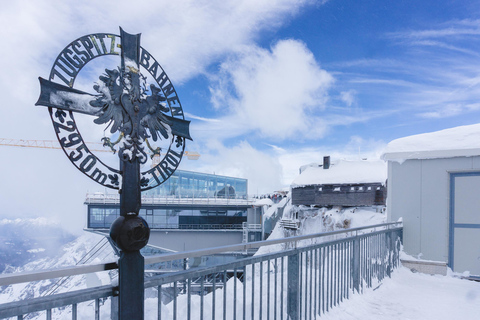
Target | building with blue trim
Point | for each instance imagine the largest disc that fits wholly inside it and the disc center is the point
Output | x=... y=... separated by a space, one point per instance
x=433 y=185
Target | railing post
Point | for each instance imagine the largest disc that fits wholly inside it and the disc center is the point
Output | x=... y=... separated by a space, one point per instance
x=114 y=307
x=293 y=293
x=130 y=280
x=389 y=249
x=356 y=264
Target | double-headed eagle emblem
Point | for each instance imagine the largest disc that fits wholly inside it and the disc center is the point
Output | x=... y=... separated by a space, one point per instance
x=124 y=103
x=117 y=99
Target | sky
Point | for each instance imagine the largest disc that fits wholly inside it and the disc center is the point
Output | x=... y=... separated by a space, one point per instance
x=267 y=85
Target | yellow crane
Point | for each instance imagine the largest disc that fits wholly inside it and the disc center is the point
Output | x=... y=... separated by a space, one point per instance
x=53 y=144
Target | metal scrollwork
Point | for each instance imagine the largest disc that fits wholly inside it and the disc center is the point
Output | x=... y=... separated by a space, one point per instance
x=123 y=101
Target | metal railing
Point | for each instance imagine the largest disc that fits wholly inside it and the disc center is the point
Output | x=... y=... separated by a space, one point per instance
x=305 y=276
x=251 y=226
x=175 y=200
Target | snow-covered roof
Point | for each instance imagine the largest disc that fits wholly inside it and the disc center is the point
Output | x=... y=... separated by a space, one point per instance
x=461 y=141
x=344 y=172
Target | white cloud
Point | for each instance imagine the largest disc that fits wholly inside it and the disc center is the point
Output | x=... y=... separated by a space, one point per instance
x=262 y=169
x=450 y=110
x=434 y=75
x=276 y=91
x=390 y=82
x=450 y=29
x=348 y=97
x=185 y=36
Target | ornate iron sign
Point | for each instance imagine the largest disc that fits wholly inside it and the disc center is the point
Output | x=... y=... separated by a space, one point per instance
x=140 y=113
x=137 y=112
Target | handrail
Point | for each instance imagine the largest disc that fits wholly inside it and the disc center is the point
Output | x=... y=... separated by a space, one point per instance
x=254 y=245
x=156 y=199
x=13 y=278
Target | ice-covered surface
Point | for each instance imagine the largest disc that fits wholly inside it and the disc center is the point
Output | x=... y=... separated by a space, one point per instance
x=461 y=141
x=344 y=171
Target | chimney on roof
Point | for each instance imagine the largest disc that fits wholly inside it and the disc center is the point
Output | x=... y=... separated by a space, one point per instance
x=326 y=162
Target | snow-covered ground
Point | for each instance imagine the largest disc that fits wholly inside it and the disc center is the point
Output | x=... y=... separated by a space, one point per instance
x=407 y=295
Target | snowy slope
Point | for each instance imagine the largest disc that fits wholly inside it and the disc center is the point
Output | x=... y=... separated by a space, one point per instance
x=72 y=254
x=26 y=240
x=315 y=220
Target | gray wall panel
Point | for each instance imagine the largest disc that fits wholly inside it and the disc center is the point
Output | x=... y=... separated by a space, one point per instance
x=434 y=209
x=404 y=201
x=475 y=163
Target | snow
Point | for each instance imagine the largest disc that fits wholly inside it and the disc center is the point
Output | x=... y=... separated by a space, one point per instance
x=38 y=222
x=264 y=202
x=36 y=250
x=460 y=141
x=272 y=209
x=408 y=295
x=72 y=255
x=130 y=63
x=343 y=172
x=74 y=101
x=316 y=220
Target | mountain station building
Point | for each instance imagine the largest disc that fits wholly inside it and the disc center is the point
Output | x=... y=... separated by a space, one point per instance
x=190 y=211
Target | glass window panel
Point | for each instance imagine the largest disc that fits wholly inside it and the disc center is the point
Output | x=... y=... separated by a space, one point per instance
x=201 y=185
x=160 y=220
x=97 y=218
x=172 y=221
x=159 y=212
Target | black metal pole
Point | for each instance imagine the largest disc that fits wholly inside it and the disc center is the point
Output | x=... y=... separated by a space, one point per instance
x=131 y=263
x=130 y=232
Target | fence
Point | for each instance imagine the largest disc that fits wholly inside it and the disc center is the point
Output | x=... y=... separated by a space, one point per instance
x=304 y=277
x=175 y=200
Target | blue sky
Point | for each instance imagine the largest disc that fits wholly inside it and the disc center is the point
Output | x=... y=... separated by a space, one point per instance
x=268 y=85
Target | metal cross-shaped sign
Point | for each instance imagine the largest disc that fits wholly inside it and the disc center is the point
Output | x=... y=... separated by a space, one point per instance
x=121 y=100
x=137 y=113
